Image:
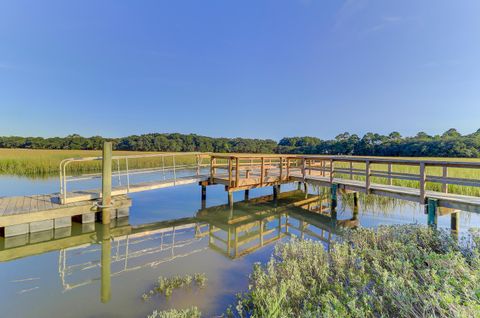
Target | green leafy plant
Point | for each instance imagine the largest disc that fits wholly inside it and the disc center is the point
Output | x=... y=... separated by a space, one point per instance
x=398 y=271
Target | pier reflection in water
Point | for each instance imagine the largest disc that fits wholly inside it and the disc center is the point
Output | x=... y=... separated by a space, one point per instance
x=102 y=252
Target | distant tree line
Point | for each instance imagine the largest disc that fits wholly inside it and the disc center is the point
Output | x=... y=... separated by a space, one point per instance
x=449 y=144
x=148 y=142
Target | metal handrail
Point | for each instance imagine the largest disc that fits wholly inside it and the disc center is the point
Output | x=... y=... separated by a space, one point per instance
x=64 y=179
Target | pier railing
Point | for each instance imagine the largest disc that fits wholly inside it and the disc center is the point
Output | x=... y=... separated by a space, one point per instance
x=242 y=171
x=153 y=167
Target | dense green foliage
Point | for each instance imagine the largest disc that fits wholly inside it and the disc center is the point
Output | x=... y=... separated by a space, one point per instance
x=449 y=144
x=401 y=271
x=147 y=142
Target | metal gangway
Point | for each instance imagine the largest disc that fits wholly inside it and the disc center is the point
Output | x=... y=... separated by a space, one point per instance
x=130 y=173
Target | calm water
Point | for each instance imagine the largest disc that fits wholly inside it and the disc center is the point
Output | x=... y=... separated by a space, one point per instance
x=59 y=274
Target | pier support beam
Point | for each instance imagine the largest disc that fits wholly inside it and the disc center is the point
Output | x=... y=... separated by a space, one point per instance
x=355 y=199
x=432 y=207
x=299 y=186
x=276 y=190
x=455 y=222
x=106 y=182
x=247 y=195
x=230 y=198
x=305 y=189
x=333 y=196
x=204 y=192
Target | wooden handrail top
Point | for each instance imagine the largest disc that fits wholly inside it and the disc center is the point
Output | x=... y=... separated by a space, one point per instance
x=357 y=159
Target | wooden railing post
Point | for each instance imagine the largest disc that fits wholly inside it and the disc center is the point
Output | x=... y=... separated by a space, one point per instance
x=390 y=182
x=237 y=172
x=332 y=170
x=262 y=171
x=367 y=176
x=106 y=182
x=281 y=169
x=212 y=168
x=422 y=179
x=198 y=165
x=288 y=168
x=303 y=168
x=351 y=170
x=444 y=183
x=230 y=171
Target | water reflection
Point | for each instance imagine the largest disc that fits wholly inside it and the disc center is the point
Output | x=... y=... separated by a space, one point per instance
x=96 y=252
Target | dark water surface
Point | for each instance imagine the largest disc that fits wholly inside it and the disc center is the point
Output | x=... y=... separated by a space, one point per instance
x=59 y=274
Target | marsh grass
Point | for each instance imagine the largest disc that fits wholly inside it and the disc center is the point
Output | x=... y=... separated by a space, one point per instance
x=45 y=163
x=401 y=271
x=192 y=312
x=166 y=285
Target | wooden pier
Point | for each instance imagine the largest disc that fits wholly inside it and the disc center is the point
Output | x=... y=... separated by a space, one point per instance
x=426 y=182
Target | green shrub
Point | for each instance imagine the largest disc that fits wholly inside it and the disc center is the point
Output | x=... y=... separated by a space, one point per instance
x=396 y=271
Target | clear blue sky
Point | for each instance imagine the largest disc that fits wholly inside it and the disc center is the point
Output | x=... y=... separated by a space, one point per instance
x=256 y=68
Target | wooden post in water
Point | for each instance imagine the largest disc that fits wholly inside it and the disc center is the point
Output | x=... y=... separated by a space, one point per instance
x=432 y=205
x=333 y=197
x=305 y=189
x=455 y=222
x=230 y=198
x=106 y=182
x=247 y=194
x=275 y=192
x=355 y=199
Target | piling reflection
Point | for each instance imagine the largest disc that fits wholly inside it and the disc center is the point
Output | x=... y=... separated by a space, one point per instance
x=97 y=253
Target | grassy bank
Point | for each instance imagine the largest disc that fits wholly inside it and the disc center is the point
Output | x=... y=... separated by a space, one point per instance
x=402 y=271
x=41 y=163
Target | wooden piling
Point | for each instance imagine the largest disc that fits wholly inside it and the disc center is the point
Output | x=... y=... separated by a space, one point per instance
x=333 y=196
x=432 y=207
x=230 y=198
x=204 y=192
x=355 y=199
x=106 y=182
x=455 y=221
x=247 y=194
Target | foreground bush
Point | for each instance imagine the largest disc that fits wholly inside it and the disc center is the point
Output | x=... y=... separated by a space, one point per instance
x=401 y=271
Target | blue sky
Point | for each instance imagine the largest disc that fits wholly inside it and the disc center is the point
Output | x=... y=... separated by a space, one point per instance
x=263 y=69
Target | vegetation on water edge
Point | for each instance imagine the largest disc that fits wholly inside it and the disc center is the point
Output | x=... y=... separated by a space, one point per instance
x=401 y=271
x=449 y=144
x=176 y=313
x=166 y=285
